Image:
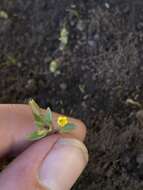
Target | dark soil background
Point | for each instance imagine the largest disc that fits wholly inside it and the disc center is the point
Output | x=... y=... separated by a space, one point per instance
x=99 y=69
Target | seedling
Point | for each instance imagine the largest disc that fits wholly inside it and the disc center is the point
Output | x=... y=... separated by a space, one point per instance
x=3 y=14
x=53 y=67
x=64 y=37
x=134 y=103
x=44 y=123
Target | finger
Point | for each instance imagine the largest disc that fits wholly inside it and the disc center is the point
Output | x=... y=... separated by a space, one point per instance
x=17 y=121
x=53 y=163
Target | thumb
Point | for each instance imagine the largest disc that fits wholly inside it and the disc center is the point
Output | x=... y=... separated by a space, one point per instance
x=54 y=163
x=63 y=165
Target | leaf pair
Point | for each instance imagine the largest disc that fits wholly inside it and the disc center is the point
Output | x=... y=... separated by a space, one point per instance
x=42 y=121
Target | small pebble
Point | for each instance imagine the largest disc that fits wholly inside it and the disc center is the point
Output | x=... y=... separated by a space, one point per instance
x=83 y=104
x=107 y=5
x=30 y=84
x=80 y=25
x=139 y=159
x=63 y=86
x=139 y=116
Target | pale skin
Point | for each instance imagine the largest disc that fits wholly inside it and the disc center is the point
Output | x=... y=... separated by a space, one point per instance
x=16 y=121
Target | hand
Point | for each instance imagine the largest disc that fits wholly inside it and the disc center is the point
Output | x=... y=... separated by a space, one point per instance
x=52 y=163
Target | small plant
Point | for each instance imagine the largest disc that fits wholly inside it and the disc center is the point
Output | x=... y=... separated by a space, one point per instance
x=64 y=37
x=53 y=67
x=3 y=14
x=44 y=123
x=132 y=102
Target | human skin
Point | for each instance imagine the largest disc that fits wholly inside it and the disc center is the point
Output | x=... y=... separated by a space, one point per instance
x=53 y=163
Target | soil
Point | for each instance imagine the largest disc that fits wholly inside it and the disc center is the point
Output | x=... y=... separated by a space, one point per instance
x=99 y=69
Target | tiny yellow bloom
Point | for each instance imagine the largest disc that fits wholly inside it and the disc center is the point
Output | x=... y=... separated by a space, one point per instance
x=62 y=121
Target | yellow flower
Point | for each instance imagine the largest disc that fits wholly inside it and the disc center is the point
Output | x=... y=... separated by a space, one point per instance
x=62 y=121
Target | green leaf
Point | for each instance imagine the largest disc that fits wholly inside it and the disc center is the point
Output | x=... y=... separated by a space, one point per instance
x=3 y=14
x=39 y=121
x=35 y=107
x=67 y=128
x=53 y=67
x=64 y=34
x=48 y=117
x=37 y=134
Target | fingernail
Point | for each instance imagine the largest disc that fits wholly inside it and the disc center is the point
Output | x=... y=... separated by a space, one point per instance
x=63 y=165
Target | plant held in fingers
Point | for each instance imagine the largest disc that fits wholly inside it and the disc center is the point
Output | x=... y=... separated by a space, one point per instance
x=44 y=123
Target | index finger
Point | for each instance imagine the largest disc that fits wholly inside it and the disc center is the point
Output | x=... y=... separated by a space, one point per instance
x=16 y=121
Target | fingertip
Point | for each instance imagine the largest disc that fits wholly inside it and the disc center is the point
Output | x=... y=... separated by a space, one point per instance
x=82 y=129
x=63 y=165
x=79 y=132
